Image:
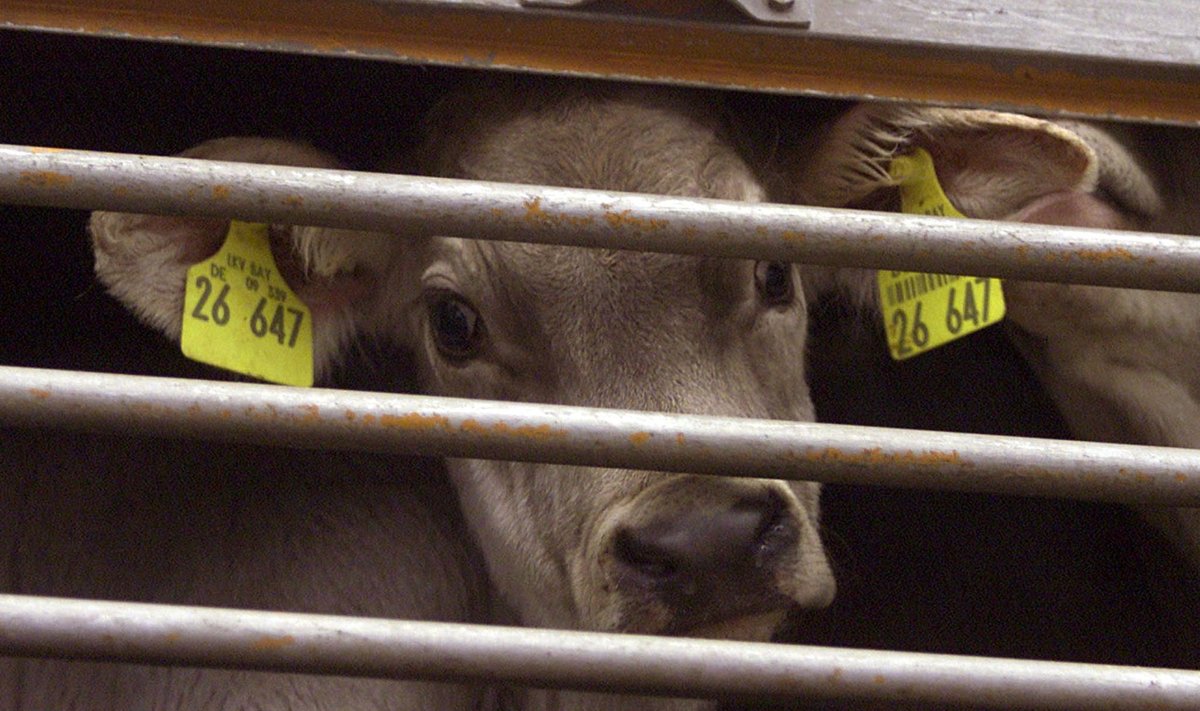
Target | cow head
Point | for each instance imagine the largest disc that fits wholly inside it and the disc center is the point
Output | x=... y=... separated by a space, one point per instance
x=569 y=547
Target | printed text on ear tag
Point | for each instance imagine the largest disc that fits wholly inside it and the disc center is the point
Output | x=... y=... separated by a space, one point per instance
x=924 y=311
x=240 y=314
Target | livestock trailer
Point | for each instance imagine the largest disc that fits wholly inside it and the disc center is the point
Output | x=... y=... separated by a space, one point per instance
x=983 y=558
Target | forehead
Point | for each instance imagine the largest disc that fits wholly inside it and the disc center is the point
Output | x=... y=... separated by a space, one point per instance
x=543 y=277
x=575 y=314
x=588 y=136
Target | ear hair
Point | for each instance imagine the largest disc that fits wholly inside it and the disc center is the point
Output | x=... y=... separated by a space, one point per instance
x=851 y=158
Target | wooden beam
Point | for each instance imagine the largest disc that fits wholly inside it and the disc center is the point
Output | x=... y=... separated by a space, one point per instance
x=1121 y=64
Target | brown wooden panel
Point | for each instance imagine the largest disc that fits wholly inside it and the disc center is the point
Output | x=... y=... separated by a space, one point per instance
x=688 y=48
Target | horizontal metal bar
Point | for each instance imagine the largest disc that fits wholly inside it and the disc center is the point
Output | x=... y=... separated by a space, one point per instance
x=588 y=218
x=322 y=644
x=315 y=418
x=1119 y=58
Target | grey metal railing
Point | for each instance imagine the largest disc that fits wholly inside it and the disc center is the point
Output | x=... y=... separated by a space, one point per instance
x=590 y=218
x=728 y=446
x=322 y=644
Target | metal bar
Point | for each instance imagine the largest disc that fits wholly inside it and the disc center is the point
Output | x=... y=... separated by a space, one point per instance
x=322 y=644
x=589 y=218
x=1120 y=58
x=315 y=418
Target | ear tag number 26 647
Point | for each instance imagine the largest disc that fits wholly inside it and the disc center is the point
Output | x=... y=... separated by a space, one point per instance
x=924 y=311
x=240 y=314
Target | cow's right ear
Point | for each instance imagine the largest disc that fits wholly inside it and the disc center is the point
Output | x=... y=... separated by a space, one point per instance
x=991 y=165
x=143 y=259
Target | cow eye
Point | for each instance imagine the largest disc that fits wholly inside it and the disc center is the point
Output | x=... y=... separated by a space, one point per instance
x=457 y=329
x=774 y=283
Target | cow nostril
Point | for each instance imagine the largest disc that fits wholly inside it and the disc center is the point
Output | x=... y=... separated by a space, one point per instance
x=775 y=534
x=706 y=548
x=651 y=563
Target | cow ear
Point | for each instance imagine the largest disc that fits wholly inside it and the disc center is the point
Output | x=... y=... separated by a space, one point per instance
x=1125 y=196
x=143 y=259
x=989 y=163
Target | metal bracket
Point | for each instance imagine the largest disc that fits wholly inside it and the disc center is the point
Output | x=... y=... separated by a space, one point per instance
x=796 y=13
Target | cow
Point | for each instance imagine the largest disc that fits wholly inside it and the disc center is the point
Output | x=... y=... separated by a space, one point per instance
x=1120 y=364
x=586 y=549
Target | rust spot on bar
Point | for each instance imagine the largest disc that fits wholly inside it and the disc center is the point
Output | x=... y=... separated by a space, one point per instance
x=473 y=427
x=351 y=415
x=1105 y=255
x=293 y=201
x=312 y=413
x=625 y=218
x=794 y=236
x=1098 y=256
x=879 y=456
x=226 y=414
x=45 y=178
x=173 y=636
x=680 y=439
x=368 y=419
x=535 y=213
x=267 y=642
x=640 y=437
x=529 y=431
x=220 y=192
x=39 y=393
x=1180 y=477
x=878 y=679
x=415 y=421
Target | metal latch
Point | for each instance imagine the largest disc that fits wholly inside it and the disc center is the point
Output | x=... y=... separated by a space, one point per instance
x=797 y=13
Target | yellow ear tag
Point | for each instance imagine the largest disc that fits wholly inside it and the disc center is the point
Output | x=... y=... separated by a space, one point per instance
x=240 y=314
x=924 y=311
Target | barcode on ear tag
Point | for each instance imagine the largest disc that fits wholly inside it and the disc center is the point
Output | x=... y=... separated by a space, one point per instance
x=923 y=311
x=240 y=314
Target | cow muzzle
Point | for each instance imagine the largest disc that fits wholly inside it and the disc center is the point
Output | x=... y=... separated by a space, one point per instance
x=695 y=555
